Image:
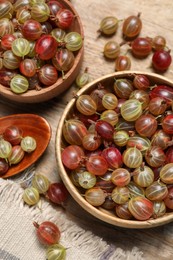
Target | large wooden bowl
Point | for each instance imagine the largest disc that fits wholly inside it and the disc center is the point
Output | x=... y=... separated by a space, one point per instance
x=98 y=212
x=46 y=93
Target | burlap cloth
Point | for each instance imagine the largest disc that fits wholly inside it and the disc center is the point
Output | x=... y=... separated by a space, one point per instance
x=18 y=238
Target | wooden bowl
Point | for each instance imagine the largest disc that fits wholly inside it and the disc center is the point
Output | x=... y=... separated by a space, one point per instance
x=100 y=213
x=31 y=125
x=46 y=93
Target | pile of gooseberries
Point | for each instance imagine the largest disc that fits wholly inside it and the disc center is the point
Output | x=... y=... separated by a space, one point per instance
x=38 y=44
x=140 y=47
x=14 y=146
x=119 y=147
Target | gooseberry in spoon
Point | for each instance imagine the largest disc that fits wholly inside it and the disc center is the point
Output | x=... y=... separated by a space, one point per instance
x=13 y=134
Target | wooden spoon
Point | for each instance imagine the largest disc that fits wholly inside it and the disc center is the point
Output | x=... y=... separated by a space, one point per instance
x=32 y=125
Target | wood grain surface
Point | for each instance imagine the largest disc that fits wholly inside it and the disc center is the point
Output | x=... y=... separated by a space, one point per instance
x=157 y=19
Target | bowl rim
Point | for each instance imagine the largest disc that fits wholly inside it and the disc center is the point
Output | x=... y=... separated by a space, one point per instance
x=99 y=213
x=44 y=93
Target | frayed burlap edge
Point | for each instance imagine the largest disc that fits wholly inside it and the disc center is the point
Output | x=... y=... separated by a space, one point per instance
x=16 y=220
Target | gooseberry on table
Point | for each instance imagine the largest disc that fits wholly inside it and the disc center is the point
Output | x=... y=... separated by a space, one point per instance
x=57 y=193
x=132 y=26
x=122 y=62
x=108 y=25
x=161 y=60
x=47 y=233
x=56 y=251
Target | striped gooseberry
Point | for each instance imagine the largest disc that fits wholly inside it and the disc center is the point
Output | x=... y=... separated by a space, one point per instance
x=48 y=74
x=161 y=139
x=146 y=125
x=143 y=176
x=155 y=156
x=108 y=25
x=56 y=251
x=47 y=233
x=121 y=137
x=5 y=149
x=16 y=155
x=13 y=134
x=64 y=18
x=131 y=109
x=31 y=30
x=40 y=12
x=157 y=106
x=122 y=62
x=73 y=41
x=73 y=131
x=123 y=212
x=31 y=196
x=86 y=105
x=159 y=208
x=41 y=183
x=6 y=9
x=87 y=180
x=123 y=88
x=132 y=157
x=166 y=173
x=156 y=191
x=111 y=50
x=97 y=165
x=46 y=47
x=28 y=144
x=141 y=143
x=132 y=26
x=141 y=208
x=95 y=196
x=113 y=157
x=109 y=101
x=72 y=156
x=6 y=41
x=19 y=84
x=20 y=47
x=110 y=116
x=6 y=26
x=28 y=67
x=91 y=141
x=135 y=190
x=121 y=177
x=120 y=195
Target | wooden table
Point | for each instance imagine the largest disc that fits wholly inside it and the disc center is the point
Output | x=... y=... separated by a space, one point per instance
x=157 y=20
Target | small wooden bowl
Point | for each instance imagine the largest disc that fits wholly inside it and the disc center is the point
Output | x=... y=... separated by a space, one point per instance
x=46 y=93
x=31 y=125
x=100 y=213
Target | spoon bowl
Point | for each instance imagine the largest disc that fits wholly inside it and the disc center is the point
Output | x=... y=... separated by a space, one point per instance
x=31 y=125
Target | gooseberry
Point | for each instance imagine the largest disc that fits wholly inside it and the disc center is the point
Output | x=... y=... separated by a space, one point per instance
x=47 y=233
